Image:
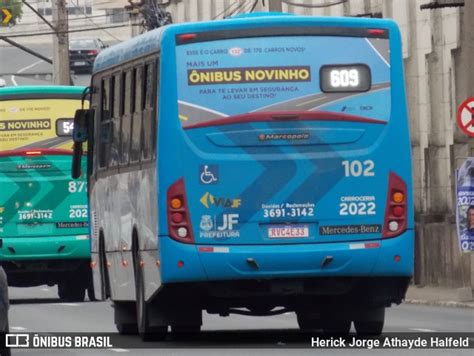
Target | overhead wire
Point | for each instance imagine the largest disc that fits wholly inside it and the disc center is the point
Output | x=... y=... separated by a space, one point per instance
x=75 y=18
x=108 y=32
x=225 y=9
x=30 y=34
x=238 y=8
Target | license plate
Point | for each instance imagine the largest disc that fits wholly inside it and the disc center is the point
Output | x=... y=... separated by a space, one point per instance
x=80 y=63
x=288 y=231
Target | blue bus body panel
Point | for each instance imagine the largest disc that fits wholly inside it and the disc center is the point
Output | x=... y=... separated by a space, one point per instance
x=252 y=174
x=286 y=261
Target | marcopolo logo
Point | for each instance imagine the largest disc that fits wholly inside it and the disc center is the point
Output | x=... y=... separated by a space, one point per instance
x=249 y=75
x=284 y=136
x=22 y=125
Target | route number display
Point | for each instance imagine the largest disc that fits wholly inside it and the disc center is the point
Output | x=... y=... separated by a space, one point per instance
x=345 y=78
x=64 y=127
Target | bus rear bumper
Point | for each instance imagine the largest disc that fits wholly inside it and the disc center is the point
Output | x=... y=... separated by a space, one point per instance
x=45 y=248
x=371 y=258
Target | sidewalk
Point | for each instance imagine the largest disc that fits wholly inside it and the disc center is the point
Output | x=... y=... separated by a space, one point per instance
x=440 y=296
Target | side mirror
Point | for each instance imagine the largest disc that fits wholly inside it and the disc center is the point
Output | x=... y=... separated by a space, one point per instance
x=79 y=136
x=81 y=125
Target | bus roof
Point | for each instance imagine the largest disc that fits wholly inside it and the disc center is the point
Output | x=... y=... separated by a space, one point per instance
x=43 y=90
x=150 y=42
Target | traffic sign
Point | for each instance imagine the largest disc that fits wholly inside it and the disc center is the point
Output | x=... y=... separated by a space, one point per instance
x=465 y=117
x=6 y=16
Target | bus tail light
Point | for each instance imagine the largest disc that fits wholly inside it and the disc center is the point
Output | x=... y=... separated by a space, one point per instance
x=179 y=220
x=396 y=210
x=376 y=31
x=187 y=36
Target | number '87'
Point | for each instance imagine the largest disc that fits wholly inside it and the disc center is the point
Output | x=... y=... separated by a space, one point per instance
x=357 y=168
x=76 y=187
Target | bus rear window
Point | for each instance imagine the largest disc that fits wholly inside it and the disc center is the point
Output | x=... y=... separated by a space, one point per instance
x=225 y=78
x=37 y=123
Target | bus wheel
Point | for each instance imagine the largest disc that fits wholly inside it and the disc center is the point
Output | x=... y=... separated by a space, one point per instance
x=62 y=291
x=124 y=318
x=147 y=332
x=372 y=324
x=91 y=294
x=71 y=291
x=306 y=322
x=185 y=330
x=337 y=326
x=126 y=329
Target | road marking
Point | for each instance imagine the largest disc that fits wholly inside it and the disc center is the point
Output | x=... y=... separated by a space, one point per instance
x=17 y=328
x=311 y=101
x=68 y=304
x=119 y=350
x=12 y=78
x=423 y=330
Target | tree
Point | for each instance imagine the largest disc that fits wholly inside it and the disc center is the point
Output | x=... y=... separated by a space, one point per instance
x=15 y=7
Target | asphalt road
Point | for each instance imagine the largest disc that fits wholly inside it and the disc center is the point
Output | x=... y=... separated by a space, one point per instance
x=20 y=68
x=38 y=310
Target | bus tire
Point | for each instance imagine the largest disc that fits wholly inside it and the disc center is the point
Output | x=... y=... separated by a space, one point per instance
x=76 y=292
x=337 y=326
x=306 y=322
x=62 y=291
x=147 y=332
x=184 y=330
x=127 y=329
x=91 y=294
x=371 y=325
x=124 y=317
x=71 y=291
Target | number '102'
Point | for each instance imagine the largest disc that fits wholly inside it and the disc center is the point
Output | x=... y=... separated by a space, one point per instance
x=357 y=168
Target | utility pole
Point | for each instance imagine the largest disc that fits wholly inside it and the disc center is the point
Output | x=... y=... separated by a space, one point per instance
x=275 y=6
x=61 y=73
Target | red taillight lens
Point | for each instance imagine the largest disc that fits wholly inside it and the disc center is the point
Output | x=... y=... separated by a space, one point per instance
x=92 y=53
x=187 y=36
x=179 y=221
x=396 y=210
x=177 y=218
x=376 y=32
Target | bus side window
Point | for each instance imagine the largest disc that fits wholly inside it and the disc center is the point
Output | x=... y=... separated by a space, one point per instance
x=115 y=142
x=126 y=116
x=137 y=117
x=155 y=109
x=104 y=133
x=148 y=111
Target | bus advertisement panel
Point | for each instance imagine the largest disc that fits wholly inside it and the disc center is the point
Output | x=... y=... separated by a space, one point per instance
x=44 y=213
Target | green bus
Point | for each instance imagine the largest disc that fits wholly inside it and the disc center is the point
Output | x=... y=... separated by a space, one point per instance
x=44 y=229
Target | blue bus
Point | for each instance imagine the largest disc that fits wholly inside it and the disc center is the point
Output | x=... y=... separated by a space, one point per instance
x=255 y=165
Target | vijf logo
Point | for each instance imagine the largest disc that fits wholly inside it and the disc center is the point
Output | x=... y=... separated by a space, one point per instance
x=209 y=174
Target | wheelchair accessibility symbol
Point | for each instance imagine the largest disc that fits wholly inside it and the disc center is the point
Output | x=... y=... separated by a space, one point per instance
x=209 y=174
